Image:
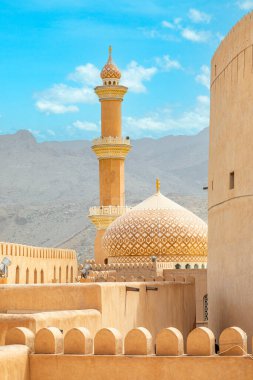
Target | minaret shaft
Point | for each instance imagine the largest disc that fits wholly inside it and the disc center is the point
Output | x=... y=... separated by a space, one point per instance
x=111 y=118
x=111 y=150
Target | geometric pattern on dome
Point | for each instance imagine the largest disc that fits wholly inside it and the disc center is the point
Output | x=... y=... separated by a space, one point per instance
x=110 y=70
x=145 y=232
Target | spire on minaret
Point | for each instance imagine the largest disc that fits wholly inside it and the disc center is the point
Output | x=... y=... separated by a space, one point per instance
x=158 y=185
x=110 y=53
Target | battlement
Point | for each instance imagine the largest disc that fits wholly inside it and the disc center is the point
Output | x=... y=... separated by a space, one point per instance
x=30 y=264
x=12 y=249
x=138 y=341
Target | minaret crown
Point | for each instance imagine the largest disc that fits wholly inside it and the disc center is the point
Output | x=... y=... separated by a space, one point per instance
x=110 y=73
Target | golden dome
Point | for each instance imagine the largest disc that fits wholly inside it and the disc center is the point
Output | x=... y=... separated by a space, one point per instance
x=159 y=227
x=110 y=70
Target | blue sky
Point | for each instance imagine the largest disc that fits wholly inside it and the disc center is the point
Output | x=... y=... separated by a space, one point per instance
x=52 y=52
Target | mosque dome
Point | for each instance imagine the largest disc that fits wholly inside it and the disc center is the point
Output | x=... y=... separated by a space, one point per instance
x=110 y=70
x=157 y=227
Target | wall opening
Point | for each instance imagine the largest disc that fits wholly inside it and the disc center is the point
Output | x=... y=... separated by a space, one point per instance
x=205 y=307
x=187 y=266
x=17 y=275
x=60 y=274
x=178 y=266
x=42 y=276
x=35 y=276
x=27 y=276
x=71 y=275
x=231 y=180
x=67 y=273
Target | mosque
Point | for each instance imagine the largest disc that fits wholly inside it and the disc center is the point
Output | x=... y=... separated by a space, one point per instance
x=141 y=308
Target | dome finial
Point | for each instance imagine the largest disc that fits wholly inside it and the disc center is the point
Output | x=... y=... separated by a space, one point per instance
x=110 y=53
x=158 y=185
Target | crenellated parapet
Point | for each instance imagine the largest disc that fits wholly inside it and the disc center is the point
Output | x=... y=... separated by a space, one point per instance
x=168 y=342
x=12 y=249
x=37 y=265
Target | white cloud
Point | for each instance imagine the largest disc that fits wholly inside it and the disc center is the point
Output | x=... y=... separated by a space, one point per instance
x=88 y=74
x=164 y=122
x=62 y=98
x=51 y=107
x=167 y=64
x=167 y=24
x=204 y=76
x=85 y=125
x=195 y=36
x=199 y=17
x=245 y=5
x=134 y=76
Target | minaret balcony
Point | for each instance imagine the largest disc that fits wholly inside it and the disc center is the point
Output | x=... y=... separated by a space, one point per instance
x=103 y=216
x=111 y=147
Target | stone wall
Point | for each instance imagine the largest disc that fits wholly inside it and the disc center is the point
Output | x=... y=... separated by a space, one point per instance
x=111 y=356
x=230 y=187
x=31 y=265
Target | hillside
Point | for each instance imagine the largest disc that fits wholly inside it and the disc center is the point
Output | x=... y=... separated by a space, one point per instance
x=47 y=188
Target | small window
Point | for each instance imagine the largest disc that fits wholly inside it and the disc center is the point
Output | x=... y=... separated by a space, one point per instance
x=110 y=82
x=187 y=266
x=178 y=266
x=196 y=266
x=231 y=180
x=212 y=185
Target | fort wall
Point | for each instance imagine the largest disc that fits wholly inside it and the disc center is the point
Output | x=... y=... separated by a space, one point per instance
x=230 y=187
x=111 y=356
x=31 y=265
x=153 y=305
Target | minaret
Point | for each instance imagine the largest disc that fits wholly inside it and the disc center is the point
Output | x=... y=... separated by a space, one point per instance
x=111 y=149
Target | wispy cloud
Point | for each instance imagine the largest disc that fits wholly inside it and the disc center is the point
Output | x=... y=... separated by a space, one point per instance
x=195 y=35
x=245 y=4
x=204 y=76
x=87 y=74
x=165 y=121
x=85 y=126
x=62 y=99
x=135 y=75
x=197 y=16
x=166 y=63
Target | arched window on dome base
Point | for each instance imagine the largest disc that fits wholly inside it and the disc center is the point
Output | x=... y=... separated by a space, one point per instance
x=178 y=266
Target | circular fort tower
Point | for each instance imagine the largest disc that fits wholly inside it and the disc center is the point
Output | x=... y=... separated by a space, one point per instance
x=111 y=149
x=230 y=221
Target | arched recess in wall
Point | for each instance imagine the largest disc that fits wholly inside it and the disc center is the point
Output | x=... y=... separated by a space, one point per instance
x=17 y=275
x=35 y=276
x=71 y=275
x=196 y=266
x=187 y=266
x=205 y=307
x=54 y=273
x=59 y=274
x=67 y=273
x=42 y=276
x=27 y=276
x=178 y=266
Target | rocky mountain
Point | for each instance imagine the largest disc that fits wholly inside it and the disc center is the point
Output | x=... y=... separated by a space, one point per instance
x=47 y=188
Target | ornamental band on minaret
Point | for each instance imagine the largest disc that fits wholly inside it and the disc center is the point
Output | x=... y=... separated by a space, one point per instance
x=111 y=149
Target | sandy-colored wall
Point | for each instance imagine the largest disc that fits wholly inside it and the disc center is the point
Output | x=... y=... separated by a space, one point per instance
x=112 y=182
x=200 y=276
x=71 y=367
x=111 y=118
x=39 y=265
x=230 y=222
x=14 y=363
x=121 y=306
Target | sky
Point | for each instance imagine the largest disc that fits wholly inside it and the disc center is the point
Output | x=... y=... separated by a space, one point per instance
x=52 y=51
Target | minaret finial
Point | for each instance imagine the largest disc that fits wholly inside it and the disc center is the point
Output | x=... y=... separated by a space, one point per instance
x=158 y=185
x=110 y=53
